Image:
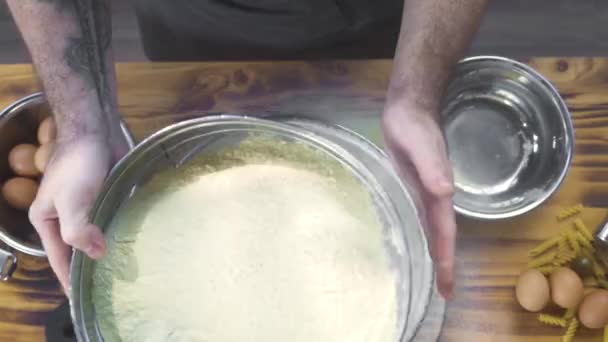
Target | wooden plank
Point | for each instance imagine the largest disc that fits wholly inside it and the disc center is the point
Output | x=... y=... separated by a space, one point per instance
x=490 y=254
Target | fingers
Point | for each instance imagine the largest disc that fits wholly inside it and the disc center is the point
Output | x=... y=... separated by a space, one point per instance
x=85 y=237
x=76 y=231
x=418 y=143
x=443 y=242
x=58 y=253
x=60 y=212
x=61 y=225
x=435 y=173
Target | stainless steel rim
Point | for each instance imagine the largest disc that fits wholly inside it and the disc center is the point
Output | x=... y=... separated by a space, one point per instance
x=38 y=98
x=82 y=325
x=569 y=141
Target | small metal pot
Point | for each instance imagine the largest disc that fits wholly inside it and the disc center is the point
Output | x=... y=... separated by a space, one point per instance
x=19 y=124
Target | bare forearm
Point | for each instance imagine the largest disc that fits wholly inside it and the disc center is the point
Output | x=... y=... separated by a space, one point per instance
x=69 y=41
x=434 y=36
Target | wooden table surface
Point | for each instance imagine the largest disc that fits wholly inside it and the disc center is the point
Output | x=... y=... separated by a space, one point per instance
x=489 y=255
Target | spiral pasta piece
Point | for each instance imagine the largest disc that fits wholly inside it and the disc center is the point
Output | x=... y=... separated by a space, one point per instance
x=583 y=229
x=569 y=314
x=571 y=331
x=573 y=242
x=569 y=212
x=565 y=258
x=563 y=245
x=544 y=246
x=552 y=320
x=546 y=269
x=544 y=259
x=580 y=238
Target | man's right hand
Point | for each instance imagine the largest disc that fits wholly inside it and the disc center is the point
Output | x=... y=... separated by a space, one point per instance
x=73 y=56
x=60 y=212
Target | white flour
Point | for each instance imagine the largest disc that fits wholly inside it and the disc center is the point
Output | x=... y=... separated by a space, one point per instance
x=260 y=253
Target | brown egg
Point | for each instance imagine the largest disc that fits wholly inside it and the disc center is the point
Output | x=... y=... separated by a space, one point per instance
x=593 y=312
x=566 y=288
x=532 y=290
x=20 y=192
x=21 y=160
x=47 y=131
x=42 y=156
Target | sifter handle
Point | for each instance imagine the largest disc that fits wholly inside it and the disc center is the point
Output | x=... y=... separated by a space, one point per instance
x=602 y=234
x=8 y=264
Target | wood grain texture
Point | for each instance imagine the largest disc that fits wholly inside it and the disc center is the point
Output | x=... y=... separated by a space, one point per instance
x=490 y=254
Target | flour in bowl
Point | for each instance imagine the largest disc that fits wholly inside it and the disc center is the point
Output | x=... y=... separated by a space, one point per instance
x=262 y=252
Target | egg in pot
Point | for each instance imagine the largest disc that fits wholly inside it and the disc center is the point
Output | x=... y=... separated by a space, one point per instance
x=20 y=192
x=21 y=160
x=42 y=156
x=47 y=131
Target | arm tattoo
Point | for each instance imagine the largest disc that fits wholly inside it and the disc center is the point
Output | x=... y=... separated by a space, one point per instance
x=86 y=52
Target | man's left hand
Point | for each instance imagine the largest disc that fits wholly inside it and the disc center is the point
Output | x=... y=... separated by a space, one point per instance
x=418 y=150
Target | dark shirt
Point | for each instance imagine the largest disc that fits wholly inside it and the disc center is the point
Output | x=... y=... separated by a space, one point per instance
x=268 y=29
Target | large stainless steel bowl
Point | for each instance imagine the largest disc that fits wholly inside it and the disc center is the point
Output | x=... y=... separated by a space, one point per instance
x=19 y=124
x=176 y=145
x=510 y=137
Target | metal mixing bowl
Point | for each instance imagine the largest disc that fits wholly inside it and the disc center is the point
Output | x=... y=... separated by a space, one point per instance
x=509 y=135
x=19 y=124
x=176 y=145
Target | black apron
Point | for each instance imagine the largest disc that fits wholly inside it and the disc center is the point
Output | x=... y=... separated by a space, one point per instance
x=189 y=30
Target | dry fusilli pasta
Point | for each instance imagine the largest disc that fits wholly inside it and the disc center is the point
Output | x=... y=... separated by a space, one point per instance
x=546 y=269
x=583 y=241
x=571 y=331
x=544 y=259
x=569 y=314
x=564 y=258
x=582 y=228
x=544 y=246
x=569 y=212
x=552 y=320
x=573 y=242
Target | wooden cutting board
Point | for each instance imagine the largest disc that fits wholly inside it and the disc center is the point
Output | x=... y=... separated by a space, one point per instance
x=489 y=255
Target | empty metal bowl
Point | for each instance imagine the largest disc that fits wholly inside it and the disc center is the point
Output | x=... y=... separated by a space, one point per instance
x=510 y=137
x=19 y=124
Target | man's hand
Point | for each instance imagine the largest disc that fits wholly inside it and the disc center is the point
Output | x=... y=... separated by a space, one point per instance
x=70 y=43
x=434 y=36
x=60 y=212
x=418 y=149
